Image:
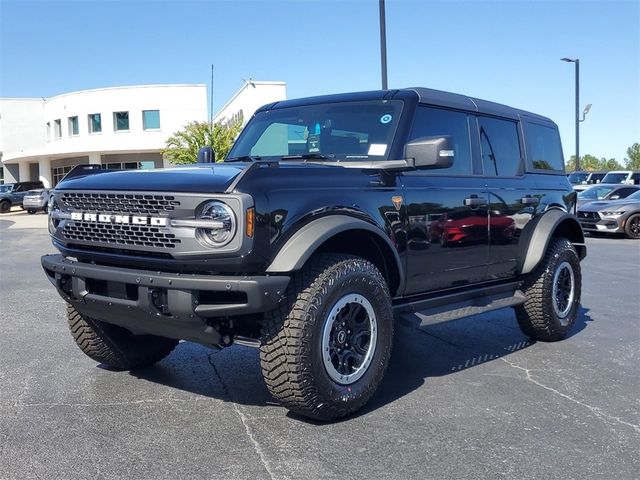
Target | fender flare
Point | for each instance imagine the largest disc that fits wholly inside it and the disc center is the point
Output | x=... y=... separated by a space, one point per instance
x=302 y=244
x=544 y=229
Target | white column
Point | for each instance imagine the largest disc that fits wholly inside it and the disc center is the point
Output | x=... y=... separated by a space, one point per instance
x=95 y=158
x=44 y=171
x=23 y=171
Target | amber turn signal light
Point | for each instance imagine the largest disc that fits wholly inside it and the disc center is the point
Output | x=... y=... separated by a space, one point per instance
x=250 y=218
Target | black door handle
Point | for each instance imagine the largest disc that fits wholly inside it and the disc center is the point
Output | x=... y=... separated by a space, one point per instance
x=529 y=200
x=475 y=201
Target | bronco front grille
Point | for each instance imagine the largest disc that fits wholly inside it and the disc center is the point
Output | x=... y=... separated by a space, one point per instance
x=119 y=202
x=117 y=234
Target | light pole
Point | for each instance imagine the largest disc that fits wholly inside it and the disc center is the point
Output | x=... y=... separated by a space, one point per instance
x=383 y=45
x=577 y=63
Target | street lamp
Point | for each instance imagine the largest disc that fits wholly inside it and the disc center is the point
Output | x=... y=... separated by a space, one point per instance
x=383 y=44
x=584 y=113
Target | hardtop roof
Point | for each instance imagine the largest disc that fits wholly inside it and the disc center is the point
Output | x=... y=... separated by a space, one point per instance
x=426 y=96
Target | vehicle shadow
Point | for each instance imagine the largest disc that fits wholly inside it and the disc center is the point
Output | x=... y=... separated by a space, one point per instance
x=435 y=350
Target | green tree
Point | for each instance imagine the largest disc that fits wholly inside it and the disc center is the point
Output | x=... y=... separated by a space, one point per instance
x=588 y=162
x=610 y=164
x=182 y=147
x=633 y=160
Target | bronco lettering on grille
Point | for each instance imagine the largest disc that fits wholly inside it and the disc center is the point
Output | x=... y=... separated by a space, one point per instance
x=120 y=219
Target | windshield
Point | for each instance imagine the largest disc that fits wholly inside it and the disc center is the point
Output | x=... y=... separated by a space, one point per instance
x=595 y=192
x=6 y=187
x=614 y=178
x=344 y=131
x=575 y=178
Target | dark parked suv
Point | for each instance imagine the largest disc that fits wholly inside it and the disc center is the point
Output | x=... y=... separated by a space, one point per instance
x=12 y=194
x=328 y=216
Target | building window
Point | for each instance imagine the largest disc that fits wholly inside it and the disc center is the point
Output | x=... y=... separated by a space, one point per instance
x=57 y=128
x=58 y=174
x=129 y=165
x=121 y=121
x=74 y=128
x=95 y=123
x=151 y=119
x=48 y=131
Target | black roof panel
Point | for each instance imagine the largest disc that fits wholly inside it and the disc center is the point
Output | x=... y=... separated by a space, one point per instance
x=424 y=95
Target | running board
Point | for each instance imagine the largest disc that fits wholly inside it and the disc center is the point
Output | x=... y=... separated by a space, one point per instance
x=459 y=305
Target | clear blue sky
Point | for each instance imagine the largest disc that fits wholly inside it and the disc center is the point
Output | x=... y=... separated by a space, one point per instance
x=502 y=51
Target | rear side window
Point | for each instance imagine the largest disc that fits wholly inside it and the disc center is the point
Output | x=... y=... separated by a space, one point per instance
x=434 y=122
x=545 y=149
x=500 y=147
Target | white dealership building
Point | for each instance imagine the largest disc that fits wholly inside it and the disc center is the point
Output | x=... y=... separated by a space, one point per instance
x=117 y=127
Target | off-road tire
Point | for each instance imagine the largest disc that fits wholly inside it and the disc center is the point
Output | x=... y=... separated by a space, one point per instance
x=291 y=355
x=5 y=206
x=631 y=226
x=115 y=346
x=538 y=317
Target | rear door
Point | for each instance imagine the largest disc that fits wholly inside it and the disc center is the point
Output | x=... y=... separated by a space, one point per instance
x=512 y=199
x=447 y=210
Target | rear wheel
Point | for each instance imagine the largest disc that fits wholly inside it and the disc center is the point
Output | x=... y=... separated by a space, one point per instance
x=553 y=294
x=5 y=206
x=325 y=350
x=31 y=211
x=115 y=346
x=632 y=226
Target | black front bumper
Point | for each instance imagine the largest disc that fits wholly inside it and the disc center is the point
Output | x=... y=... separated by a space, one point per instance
x=180 y=306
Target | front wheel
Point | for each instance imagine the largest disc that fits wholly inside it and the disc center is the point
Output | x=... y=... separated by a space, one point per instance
x=325 y=350
x=632 y=226
x=31 y=211
x=553 y=294
x=5 y=206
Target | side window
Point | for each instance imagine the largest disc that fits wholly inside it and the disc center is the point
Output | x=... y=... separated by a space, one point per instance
x=545 y=150
x=500 y=147
x=434 y=122
x=636 y=178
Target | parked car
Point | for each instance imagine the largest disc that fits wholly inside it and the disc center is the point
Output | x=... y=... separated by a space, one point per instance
x=35 y=200
x=313 y=233
x=612 y=216
x=622 y=176
x=606 y=192
x=592 y=178
x=12 y=194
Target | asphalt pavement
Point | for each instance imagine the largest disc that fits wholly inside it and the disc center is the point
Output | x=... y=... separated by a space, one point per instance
x=469 y=399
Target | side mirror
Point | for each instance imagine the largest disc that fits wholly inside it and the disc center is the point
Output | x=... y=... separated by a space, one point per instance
x=431 y=152
x=206 y=155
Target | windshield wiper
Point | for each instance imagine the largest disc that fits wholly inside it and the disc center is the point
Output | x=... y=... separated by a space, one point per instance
x=308 y=156
x=244 y=158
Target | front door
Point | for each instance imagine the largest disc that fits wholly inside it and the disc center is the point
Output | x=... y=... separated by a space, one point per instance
x=448 y=240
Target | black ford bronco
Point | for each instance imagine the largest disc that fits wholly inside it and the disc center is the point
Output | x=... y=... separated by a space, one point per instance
x=329 y=216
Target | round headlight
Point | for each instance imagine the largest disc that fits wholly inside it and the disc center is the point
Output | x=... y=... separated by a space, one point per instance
x=225 y=229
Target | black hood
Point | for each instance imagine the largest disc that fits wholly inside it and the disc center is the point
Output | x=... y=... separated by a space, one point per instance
x=207 y=178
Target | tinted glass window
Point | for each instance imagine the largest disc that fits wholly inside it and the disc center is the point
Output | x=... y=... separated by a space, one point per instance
x=545 y=149
x=500 y=147
x=433 y=122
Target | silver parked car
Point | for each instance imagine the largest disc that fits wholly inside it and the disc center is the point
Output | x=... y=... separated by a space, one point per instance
x=612 y=216
x=606 y=192
x=35 y=200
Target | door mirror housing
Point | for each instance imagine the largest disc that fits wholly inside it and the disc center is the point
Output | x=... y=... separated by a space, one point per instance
x=431 y=152
x=206 y=155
